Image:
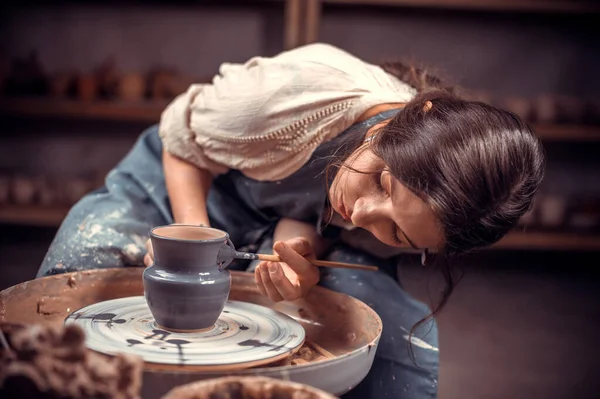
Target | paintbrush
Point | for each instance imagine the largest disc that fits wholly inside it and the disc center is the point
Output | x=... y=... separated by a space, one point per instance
x=314 y=262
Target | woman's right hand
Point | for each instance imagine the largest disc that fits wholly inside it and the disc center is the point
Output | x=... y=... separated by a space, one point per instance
x=293 y=277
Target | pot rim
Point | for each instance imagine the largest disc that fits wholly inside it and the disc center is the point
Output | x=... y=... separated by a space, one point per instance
x=170 y=226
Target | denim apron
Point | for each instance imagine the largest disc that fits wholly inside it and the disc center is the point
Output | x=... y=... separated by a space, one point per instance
x=109 y=228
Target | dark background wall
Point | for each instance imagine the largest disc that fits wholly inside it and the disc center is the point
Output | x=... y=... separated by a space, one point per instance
x=522 y=323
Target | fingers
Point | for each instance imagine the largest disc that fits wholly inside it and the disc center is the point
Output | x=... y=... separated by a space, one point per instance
x=272 y=282
x=297 y=262
x=293 y=276
x=149 y=257
x=258 y=279
x=301 y=245
x=282 y=283
x=265 y=283
x=148 y=260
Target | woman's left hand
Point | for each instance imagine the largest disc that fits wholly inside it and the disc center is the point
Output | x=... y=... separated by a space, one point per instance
x=292 y=278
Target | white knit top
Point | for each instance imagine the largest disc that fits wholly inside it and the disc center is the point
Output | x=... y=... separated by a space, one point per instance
x=266 y=117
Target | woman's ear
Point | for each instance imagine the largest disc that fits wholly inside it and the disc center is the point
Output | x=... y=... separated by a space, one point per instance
x=373 y=130
x=428 y=105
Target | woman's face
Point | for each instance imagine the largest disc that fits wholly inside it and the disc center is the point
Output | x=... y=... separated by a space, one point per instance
x=380 y=204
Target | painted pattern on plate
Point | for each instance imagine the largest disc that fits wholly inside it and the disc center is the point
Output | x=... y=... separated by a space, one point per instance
x=244 y=333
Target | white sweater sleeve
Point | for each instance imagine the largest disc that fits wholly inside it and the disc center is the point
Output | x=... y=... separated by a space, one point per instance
x=272 y=112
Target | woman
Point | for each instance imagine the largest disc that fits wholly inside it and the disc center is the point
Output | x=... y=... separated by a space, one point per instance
x=326 y=156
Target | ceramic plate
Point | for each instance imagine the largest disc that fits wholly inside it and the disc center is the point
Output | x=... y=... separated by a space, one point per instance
x=245 y=335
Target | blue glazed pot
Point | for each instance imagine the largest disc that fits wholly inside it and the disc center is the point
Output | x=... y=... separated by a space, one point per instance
x=188 y=285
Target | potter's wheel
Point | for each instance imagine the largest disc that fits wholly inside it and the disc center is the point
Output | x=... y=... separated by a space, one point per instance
x=342 y=325
x=245 y=335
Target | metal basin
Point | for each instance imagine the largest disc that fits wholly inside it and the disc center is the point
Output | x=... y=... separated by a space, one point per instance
x=342 y=325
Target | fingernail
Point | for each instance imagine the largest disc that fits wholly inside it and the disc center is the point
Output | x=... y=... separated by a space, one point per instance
x=279 y=246
x=272 y=267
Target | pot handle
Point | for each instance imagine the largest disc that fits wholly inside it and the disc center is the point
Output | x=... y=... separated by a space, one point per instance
x=226 y=254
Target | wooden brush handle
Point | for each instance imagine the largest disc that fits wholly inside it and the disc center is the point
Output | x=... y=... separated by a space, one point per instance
x=321 y=263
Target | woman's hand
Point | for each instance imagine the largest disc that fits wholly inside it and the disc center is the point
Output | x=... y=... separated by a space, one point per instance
x=292 y=278
x=149 y=257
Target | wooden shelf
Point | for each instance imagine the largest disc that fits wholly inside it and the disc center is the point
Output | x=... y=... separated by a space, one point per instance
x=553 y=241
x=33 y=215
x=149 y=112
x=543 y=6
x=585 y=133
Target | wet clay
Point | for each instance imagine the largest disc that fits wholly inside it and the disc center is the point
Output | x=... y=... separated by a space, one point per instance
x=52 y=362
x=246 y=388
x=309 y=352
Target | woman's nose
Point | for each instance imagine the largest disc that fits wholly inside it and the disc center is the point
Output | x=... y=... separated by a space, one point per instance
x=364 y=213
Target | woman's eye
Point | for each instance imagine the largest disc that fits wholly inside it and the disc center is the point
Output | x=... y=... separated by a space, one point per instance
x=379 y=184
x=378 y=181
x=397 y=240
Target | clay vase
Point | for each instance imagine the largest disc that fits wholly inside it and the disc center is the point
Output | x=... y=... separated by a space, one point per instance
x=187 y=286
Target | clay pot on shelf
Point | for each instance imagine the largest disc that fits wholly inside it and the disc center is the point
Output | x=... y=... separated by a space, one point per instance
x=167 y=84
x=159 y=82
x=48 y=191
x=131 y=87
x=554 y=108
x=552 y=210
x=61 y=84
x=86 y=87
x=23 y=190
x=75 y=188
x=545 y=109
x=520 y=106
x=108 y=78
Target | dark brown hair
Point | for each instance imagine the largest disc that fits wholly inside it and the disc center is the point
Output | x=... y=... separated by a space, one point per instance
x=477 y=166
